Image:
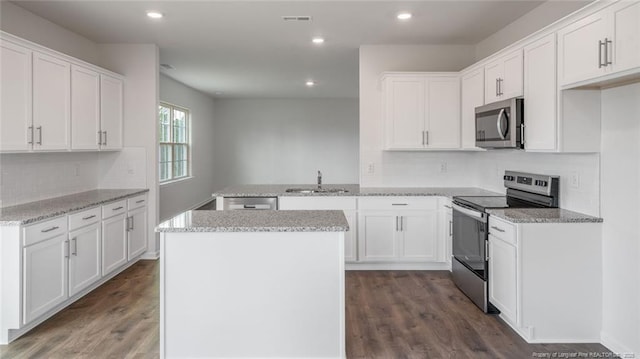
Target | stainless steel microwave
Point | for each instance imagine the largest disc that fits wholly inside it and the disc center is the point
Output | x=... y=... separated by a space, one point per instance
x=500 y=124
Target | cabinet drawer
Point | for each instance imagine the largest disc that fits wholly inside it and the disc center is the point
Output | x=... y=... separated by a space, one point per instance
x=84 y=218
x=398 y=203
x=45 y=230
x=502 y=230
x=137 y=201
x=112 y=209
x=317 y=203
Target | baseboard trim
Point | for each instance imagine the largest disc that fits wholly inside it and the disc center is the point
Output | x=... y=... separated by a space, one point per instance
x=398 y=266
x=615 y=346
x=150 y=255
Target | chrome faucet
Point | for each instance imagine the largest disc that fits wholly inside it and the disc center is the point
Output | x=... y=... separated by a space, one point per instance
x=319 y=179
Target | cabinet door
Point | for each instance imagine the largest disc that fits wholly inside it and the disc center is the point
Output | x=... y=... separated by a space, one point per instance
x=84 y=258
x=377 y=235
x=443 y=113
x=15 y=97
x=404 y=112
x=419 y=233
x=350 y=238
x=503 y=277
x=541 y=94
x=114 y=243
x=472 y=97
x=626 y=35
x=85 y=108
x=137 y=233
x=492 y=72
x=580 y=54
x=51 y=102
x=511 y=80
x=111 y=100
x=45 y=276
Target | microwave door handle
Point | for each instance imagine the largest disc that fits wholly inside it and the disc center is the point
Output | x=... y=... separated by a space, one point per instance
x=499 y=124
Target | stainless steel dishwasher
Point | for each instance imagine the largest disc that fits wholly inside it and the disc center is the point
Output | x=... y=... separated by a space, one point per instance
x=243 y=203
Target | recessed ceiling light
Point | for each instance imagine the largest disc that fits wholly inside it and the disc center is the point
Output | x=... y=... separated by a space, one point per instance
x=317 y=40
x=404 y=16
x=155 y=14
x=310 y=83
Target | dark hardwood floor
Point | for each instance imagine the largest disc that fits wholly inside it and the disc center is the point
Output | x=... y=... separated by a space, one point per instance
x=390 y=314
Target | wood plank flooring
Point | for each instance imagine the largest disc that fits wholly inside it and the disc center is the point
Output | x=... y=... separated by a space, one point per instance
x=390 y=314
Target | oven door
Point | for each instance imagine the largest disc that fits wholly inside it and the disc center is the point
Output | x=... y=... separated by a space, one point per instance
x=470 y=239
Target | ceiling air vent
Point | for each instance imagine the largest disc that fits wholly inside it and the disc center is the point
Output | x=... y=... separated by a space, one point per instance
x=296 y=18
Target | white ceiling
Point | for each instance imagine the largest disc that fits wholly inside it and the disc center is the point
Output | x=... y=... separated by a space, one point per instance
x=245 y=49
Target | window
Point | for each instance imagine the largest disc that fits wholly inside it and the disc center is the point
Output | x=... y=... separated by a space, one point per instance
x=174 y=143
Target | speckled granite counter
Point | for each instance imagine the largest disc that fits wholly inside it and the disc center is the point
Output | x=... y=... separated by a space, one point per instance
x=542 y=215
x=352 y=190
x=256 y=221
x=40 y=210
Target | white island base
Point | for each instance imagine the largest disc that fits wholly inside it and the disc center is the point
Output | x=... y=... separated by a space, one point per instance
x=252 y=295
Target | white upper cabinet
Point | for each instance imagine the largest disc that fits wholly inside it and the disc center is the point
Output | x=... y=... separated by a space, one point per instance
x=503 y=77
x=472 y=97
x=51 y=102
x=15 y=112
x=404 y=111
x=85 y=108
x=540 y=93
x=581 y=49
x=111 y=112
x=422 y=111
x=604 y=43
x=625 y=16
x=443 y=112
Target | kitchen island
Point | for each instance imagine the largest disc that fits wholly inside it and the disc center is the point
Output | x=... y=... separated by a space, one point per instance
x=252 y=284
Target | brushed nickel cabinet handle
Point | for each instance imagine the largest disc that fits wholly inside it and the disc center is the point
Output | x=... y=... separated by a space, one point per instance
x=140 y=201
x=427 y=133
x=39 y=128
x=497 y=229
x=99 y=138
x=600 y=44
x=401 y=223
x=30 y=141
x=49 y=229
x=397 y=226
x=607 y=59
x=75 y=246
x=66 y=249
x=117 y=208
x=89 y=217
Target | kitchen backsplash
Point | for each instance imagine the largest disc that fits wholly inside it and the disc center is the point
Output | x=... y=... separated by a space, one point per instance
x=31 y=177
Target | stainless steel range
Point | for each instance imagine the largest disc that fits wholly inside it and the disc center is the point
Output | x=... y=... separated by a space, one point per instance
x=470 y=267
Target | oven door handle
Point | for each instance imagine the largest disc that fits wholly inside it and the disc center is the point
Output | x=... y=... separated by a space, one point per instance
x=480 y=216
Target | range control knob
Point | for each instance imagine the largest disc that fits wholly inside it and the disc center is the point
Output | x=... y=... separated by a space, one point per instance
x=541 y=183
x=508 y=178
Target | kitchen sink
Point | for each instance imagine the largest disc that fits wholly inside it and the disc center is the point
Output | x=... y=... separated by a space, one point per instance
x=316 y=190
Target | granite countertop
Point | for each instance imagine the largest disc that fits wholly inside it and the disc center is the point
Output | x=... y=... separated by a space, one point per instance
x=40 y=210
x=353 y=190
x=542 y=215
x=256 y=221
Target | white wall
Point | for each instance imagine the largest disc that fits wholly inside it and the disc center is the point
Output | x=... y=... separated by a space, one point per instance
x=585 y=197
x=140 y=65
x=403 y=169
x=25 y=24
x=285 y=141
x=179 y=196
x=620 y=188
x=534 y=20
x=32 y=177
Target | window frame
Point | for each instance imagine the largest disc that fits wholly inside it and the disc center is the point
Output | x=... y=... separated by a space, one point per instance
x=172 y=145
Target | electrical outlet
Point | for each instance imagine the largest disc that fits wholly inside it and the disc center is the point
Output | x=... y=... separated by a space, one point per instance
x=574 y=180
x=443 y=167
x=371 y=168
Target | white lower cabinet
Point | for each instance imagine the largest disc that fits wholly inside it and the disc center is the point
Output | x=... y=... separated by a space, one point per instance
x=344 y=203
x=137 y=232
x=394 y=229
x=114 y=243
x=45 y=276
x=503 y=280
x=541 y=279
x=84 y=257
